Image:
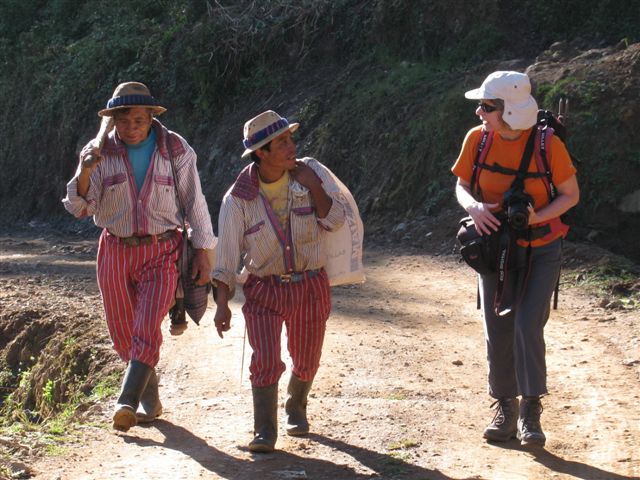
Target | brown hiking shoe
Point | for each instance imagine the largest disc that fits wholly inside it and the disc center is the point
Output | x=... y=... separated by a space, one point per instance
x=530 y=431
x=504 y=425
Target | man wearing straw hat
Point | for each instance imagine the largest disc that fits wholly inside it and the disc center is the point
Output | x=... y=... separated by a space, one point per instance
x=276 y=214
x=128 y=187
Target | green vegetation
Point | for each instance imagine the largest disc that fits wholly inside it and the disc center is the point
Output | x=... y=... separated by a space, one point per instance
x=46 y=396
x=403 y=445
x=106 y=387
x=614 y=281
x=59 y=425
x=399 y=396
x=399 y=72
x=377 y=86
x=398 y=82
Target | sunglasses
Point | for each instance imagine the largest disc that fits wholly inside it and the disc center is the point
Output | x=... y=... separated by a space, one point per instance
x=486 y=108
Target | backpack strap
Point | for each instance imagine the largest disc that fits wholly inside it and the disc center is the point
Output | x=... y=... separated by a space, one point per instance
x=481 y=156
x=480 y=164
x=497 y=168
x=523 y=169
x=543 y=138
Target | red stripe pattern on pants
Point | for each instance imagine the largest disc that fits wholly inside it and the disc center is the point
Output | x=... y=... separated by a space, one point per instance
x=303 y=307
x=138 y=285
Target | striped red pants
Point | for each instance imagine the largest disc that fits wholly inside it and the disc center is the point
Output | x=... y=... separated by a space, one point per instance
x=303 y=307
x=138 y=285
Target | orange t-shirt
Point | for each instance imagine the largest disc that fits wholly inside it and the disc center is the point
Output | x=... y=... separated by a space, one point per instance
x=508 y=153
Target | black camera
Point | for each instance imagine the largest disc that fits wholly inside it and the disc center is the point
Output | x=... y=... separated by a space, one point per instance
x=516 y=203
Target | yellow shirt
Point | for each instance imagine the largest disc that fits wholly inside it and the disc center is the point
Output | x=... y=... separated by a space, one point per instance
x=277 y=194
x=244 y=228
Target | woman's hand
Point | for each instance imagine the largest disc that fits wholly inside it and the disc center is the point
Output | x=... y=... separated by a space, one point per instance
x=484 y=220
x=534 y=218
x=568 y=196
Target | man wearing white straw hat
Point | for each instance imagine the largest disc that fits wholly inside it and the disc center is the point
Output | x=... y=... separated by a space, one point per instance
x=129 y=187
x=276 y=214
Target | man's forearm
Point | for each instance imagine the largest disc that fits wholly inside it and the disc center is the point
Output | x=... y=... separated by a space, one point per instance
x=222 y=294
x=84 y=182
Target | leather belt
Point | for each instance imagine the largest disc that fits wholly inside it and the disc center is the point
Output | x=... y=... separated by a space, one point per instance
x=293 y=277
x=146 y=239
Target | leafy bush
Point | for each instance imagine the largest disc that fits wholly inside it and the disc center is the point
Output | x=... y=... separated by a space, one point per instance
x=387 y=73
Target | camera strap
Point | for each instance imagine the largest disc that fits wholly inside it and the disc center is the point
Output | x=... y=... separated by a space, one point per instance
x=511 y=279
x=503 y=300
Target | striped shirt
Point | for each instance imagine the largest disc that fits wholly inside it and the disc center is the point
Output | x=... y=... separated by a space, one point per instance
x=248 y=226
x=116 y=205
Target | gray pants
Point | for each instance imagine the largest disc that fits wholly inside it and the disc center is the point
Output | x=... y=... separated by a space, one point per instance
x=515 y=342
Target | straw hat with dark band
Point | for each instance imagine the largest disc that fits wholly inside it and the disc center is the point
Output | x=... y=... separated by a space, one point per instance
x=130 y=95
x=263 y=128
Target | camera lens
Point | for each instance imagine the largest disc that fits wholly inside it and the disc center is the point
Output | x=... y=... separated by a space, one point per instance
x=518 y=218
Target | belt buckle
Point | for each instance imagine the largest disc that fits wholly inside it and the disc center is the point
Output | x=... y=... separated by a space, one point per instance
x=130 y=241
x=285 y=278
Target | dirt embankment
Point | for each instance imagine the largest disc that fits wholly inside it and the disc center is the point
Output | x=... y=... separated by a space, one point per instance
x=400 y=394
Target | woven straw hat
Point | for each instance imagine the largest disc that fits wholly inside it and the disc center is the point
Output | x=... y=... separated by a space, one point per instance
x=263 y=128
x=129 y=95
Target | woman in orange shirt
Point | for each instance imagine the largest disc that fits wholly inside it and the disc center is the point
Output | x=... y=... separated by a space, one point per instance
x=514 y=336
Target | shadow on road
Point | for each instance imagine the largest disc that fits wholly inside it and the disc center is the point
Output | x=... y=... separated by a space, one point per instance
x=575 y=469
x=382 y=463
x=560 y=465
x=280 y=464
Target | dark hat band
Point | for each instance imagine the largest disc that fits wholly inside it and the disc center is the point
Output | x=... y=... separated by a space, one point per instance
x=126 y=100
x=265 y=132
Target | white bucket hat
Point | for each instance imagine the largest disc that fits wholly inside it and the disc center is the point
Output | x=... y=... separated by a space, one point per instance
x=514 y=88
x=263 y=128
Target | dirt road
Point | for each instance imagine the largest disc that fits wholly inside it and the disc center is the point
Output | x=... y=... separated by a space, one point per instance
x=400 y=394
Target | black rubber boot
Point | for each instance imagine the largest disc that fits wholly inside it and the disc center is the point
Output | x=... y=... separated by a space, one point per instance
x=296 y=406
x=530 y=431
x=265 y=415
x=150 y=407
x=134 y=383
x=504 y=425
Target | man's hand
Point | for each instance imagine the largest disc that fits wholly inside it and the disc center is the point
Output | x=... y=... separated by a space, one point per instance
x=305 y=176
x=90 y=157
x=200 y=267
x=222 y=319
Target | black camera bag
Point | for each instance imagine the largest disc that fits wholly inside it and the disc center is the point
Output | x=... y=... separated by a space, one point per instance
x=480 y=252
